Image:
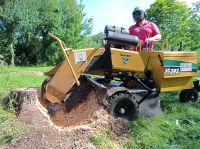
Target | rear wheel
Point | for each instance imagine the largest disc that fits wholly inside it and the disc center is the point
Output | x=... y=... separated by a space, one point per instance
x=188 y=95
x=123 y=105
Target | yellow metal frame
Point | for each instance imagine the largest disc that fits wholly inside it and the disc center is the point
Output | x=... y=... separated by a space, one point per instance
x=64 y=48
x=65 y=75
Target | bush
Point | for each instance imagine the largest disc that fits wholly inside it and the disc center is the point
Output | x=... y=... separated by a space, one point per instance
x=198 y=60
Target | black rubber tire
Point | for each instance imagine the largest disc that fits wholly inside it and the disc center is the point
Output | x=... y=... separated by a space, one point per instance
x=123 y=105
x=188 y=95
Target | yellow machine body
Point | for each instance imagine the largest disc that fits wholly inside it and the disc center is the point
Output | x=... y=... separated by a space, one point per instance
x=169 y=70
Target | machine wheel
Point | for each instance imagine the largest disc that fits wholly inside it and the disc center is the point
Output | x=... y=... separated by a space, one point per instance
x=123 y=105
x=188 y=95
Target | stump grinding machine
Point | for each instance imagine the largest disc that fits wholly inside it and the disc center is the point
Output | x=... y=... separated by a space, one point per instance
x=128 y=82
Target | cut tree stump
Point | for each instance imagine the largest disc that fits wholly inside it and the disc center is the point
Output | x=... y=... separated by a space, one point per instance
x=23 y=97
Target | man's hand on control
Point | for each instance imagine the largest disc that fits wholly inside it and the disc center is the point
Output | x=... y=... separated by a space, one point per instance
x=155 y=38
x=148 y=40
x=140 y=42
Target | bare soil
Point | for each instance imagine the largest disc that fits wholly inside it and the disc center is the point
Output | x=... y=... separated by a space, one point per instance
x=67 y=129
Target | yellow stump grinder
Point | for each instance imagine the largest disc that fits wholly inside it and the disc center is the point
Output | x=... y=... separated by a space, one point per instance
x=126 y=82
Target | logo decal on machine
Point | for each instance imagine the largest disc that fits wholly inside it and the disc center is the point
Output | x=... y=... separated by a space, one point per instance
x=125 y=57
x=125 y=60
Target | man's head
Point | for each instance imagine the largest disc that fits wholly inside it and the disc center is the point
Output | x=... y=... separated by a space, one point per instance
x=138 y=14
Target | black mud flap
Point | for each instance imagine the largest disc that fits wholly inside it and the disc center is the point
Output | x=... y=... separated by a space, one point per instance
x=149 y=103
x=196 y=85
x=150 y=107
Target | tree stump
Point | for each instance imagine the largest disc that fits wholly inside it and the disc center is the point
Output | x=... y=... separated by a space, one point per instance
x=23 y=97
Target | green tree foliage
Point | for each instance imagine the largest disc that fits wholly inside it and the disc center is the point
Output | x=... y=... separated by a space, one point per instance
x=24 y=25
x=94 y=41
x=176 y=23
x=73 y=30
x=195 y=23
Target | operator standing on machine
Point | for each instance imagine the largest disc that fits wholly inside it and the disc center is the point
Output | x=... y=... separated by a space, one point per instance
x=146 y=31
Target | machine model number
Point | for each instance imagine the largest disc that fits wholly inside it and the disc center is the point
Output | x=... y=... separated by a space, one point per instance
x=172 y=70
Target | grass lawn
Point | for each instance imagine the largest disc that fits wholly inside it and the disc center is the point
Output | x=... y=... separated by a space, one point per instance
x=178 y=127
x=17 y=77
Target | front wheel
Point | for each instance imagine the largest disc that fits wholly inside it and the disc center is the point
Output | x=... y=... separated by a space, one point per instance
x=188 y=95
x=123 y=105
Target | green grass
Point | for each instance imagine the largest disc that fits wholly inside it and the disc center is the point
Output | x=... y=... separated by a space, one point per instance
x=12 y=78
x=10 y=131
x=18 y=77
x=11 y=69
x=10 y=81
x=178 y=126
x=198 y=59
x=102 y=140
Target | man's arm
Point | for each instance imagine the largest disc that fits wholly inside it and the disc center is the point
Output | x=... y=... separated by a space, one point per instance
x=155 y=38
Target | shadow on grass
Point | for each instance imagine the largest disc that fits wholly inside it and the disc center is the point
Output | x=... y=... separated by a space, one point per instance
x=7 y=102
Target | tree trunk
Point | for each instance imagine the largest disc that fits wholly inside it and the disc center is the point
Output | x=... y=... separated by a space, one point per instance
x=23 y=97
x=12 y=62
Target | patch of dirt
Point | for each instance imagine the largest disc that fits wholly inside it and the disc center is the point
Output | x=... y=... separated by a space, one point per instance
x=74 y=131
x=37 y=73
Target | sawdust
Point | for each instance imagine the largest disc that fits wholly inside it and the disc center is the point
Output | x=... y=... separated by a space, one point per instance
x=81 y=114
x=75 y=130
x=79 y=107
